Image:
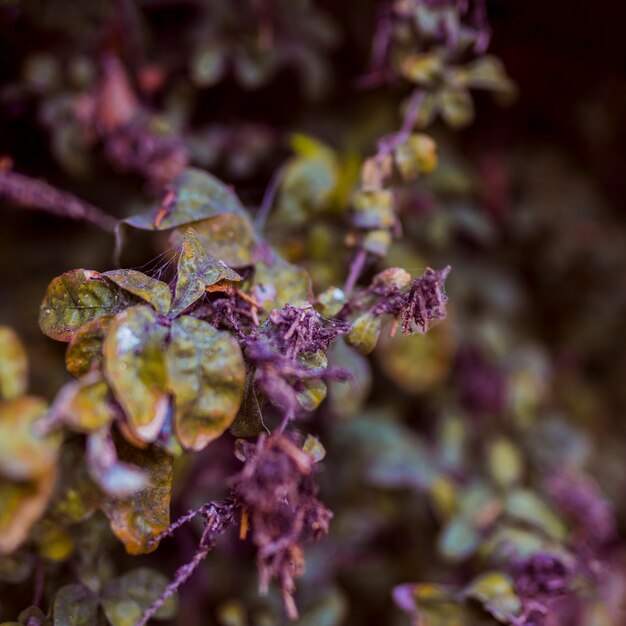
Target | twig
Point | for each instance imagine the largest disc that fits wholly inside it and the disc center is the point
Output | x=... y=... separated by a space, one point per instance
x=356 y=268
x=39 y=582
x=218 y=518
x=32 y=193
x=388 y=144
x=386 y=147
x=268 y=199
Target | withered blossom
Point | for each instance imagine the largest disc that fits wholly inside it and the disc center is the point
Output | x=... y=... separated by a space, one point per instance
x=278 y=493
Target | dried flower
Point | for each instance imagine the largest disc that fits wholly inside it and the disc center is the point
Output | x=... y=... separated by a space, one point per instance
x=279 y=496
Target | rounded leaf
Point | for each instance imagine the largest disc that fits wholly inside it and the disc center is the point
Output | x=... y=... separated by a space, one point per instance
x=24 y=454
x=133 y=593
x=364 y=333
x=134 y=366
x=13 y=365
x=23 y=503
x=140 y=518
x=84 y=351
x=206 y=374
x=197 y=270
x=75 y=298
x=153 y=291
x=75 y=605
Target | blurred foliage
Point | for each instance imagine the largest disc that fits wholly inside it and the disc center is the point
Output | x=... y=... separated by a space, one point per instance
x=276 y=364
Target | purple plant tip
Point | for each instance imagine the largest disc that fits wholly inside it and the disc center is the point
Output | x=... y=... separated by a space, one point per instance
x=426 y=300
x=542 y=576
x=301 y=330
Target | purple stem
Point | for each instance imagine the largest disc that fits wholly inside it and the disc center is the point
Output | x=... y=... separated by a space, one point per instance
x=216 y=523
x=388 y=144
x=268 y=199
x=37 y=194
x=356 y=268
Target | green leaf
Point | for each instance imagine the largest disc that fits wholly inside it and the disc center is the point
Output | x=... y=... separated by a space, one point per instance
x=277 y=283
x=526 y=506
x=364 y=334
x=84 y=405
x=153 y=291
x=377 y=242
x=458 y=539
x=229 y=237
x=346 y=398
x=387 y=453
x=127 y=597
x=75 y=298
x=24 y=454
x=114 y=477
x=495 y=591
x=34 y=615
x=84 y=351
x=196 y=271
x=135 y=368
x=249 y=419
x=206 y=374
x=76 y=496
x=208 y=64
x=75 y=605
x=312 y=394
x=330 y=302
x=436 y=605
x=373 y=209
x=195 y=195
x=487 y=72
x=456 y=106
x=509 y=542
x=421 y=69
x=13 y=365
x=16 y=568
x=417 y=363
x=309 y=181
x=23 y=503
x=505 y=462
x=330 y=610
x=416 y=155
x=313 y=446
x=137 y=520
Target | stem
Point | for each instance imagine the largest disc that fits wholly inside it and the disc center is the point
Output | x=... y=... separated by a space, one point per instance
x=217 y=521
x=356 y=268
x=36 y=194
x=39 y=580
x=388 y=144
x=268 y=199
x=286 y=419
x=183 y=573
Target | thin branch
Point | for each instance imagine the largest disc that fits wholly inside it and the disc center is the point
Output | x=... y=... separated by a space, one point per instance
x=387 y=145
x=356 y=268
x=268 y=199
x=32 y=193
x=218 y=516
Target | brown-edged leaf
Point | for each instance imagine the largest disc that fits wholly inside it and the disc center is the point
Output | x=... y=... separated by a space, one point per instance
x=135 y=368
x=197 y=270
x=206 y=375
x=137 y=520
x=153 y=291
x=13 y=365
x=75 y=605
x=23 y=503
x=75 y=298
x=24 y=454
x=124 y=599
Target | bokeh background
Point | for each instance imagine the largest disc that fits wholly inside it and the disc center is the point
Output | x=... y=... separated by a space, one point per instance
x=527 y=206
